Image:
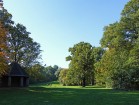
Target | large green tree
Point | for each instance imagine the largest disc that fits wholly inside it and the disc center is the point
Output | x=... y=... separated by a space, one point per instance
x=119 y=65
x=21 y=47
x=81 y=62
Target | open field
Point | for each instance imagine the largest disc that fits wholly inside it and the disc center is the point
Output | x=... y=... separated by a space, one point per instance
x=55 y=94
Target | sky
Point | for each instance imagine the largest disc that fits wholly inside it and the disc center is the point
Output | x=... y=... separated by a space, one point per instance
x=59 y=24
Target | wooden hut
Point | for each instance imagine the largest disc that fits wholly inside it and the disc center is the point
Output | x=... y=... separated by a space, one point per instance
x=16 y=77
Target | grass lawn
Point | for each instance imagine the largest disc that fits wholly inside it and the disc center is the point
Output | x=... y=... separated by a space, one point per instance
x=55 y=94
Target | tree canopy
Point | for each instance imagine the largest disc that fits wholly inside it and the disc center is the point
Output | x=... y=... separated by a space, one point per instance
x=16 y=43
x=21 y=47
x=119 y=65
x=3 y=47
x=81 y=61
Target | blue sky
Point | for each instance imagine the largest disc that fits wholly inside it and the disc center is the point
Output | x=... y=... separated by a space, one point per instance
x=59 y=24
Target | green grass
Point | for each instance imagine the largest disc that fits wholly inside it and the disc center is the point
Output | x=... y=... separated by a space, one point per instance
x=55 y=94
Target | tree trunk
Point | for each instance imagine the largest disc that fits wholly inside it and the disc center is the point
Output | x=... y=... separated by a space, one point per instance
x=15 y=58
x=92 y=79
x=0 y=82
x=83 y=82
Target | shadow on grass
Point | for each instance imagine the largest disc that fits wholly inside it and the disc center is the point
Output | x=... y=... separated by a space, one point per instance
x=67 y=96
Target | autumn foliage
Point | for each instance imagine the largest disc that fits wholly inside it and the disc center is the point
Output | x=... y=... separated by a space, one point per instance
x=3 y=47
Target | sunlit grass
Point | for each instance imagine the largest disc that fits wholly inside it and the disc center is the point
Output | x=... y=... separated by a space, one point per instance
x=56 y=94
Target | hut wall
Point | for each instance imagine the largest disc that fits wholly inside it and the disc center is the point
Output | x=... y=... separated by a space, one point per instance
x=4 y=81
x=24 y=82
x=15 y=81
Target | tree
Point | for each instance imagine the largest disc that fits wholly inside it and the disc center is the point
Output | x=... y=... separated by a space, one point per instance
x=6 y=18
x=50 y=72
x=16 y=45
x=39 y=73
x=119 y=65
x=3 y=47
x=81 y=62
x=110 y=70
x=36 y=73
x=5 y=21
x=130 y=20
x=21 y=47
x=58 y=72
x=97 y=55
x=63 y=77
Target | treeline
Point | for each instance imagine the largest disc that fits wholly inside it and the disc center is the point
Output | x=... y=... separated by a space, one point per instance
x=41 y=74
x=116 y=63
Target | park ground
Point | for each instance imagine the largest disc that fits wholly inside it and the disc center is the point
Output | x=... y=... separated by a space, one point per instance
x=56 y=94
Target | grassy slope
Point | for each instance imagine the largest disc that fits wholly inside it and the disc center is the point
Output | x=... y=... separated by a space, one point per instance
x=54 y=94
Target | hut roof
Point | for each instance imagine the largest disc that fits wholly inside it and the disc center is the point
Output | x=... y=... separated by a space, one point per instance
x=17 y=70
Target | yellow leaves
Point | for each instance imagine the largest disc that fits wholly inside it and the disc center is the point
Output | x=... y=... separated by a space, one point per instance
x=3 y=64
x=2 y=36
x=3 y=47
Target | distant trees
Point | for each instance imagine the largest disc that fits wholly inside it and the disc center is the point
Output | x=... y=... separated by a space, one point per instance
x=36 y=73
x=39 y=73
x=63 y=77
x=51 y=73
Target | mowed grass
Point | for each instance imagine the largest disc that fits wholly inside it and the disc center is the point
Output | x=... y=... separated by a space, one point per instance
x=55 y=94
